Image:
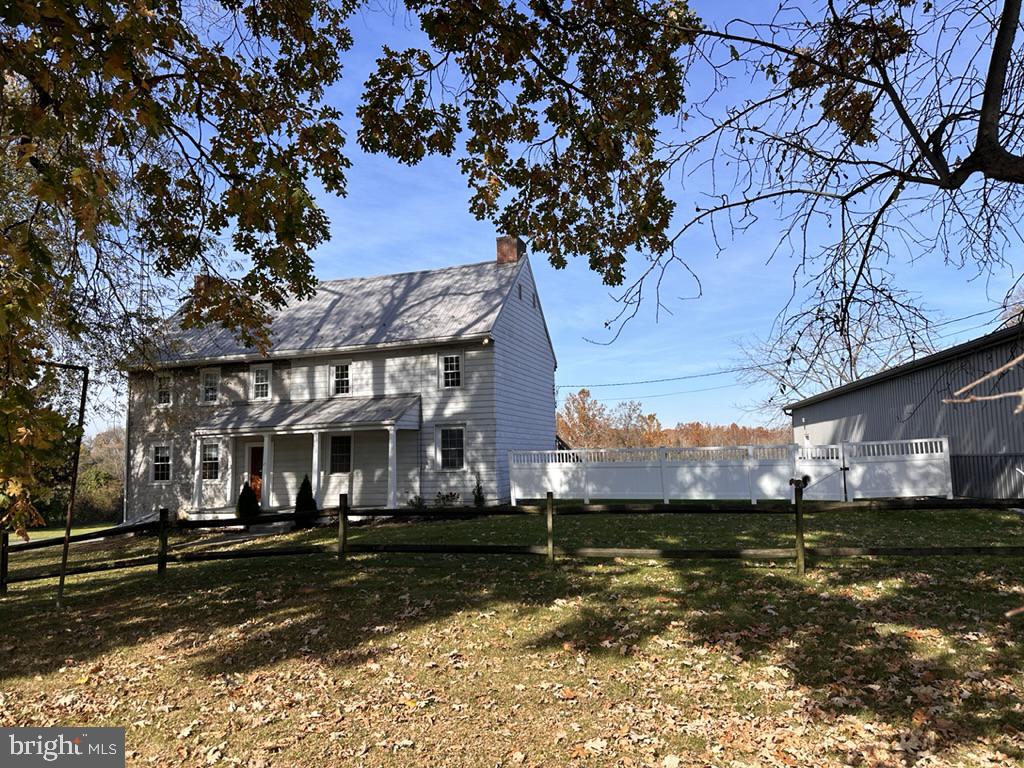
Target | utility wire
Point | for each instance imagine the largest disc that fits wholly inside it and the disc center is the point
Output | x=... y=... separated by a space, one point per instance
x=742 y=368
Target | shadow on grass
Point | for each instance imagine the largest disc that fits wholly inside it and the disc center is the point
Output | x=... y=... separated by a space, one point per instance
x=901 y=642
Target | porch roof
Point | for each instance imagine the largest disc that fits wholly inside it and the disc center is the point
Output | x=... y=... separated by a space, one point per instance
x=400 y=411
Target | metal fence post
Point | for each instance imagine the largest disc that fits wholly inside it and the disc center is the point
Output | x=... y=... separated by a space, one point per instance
x=342 y=525
x=4 y=555
x=551 y=527
x=161 y=561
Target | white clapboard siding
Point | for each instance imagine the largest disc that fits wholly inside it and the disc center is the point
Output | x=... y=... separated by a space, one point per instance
x=524 y=364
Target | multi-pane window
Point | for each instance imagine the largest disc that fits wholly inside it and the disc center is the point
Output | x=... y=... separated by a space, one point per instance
x=341 y=385
x=453 y=453
x=211 y=461
x=341 y=453
x=261 y=382
x=209 y=386
x=451 y=371
x=163 y=389
x=161 y=463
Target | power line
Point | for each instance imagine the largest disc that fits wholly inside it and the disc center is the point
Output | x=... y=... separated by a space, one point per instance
x=743 y=368
x=667 y=394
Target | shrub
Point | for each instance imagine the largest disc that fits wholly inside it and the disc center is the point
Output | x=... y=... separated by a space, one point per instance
x=306 y=511
x=248 y=506
x=417 y=502
x=446 y=499
x=479 y=499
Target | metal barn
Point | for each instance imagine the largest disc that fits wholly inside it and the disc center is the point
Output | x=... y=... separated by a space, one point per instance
x=986 y=439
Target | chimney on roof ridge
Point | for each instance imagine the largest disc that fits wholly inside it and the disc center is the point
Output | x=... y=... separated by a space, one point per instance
x=510 y=249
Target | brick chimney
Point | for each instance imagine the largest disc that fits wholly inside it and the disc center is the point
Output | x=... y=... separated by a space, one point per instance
x=510 y=249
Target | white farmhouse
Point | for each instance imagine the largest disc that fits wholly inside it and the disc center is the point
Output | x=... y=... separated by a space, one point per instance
x=385 y=388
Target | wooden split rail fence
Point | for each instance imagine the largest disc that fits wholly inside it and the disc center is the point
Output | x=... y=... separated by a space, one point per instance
x=800 y=552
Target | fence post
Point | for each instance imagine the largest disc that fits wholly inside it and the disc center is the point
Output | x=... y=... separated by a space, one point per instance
x=342 y=525
x=161 y=557
x=844 y=466
x=750 y=474
x=798 y=494
x=511 y=482
x=586 y=478
x=662 y=454
x=4 y=555
x=551 y=527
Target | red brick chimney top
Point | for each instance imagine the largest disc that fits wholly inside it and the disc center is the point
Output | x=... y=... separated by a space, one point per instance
x=510 y=249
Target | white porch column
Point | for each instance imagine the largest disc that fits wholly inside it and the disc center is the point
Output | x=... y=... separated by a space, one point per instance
x=197 y=485
x=392 y=468
x=268 y=467
x=315 y=471
x=229 y=471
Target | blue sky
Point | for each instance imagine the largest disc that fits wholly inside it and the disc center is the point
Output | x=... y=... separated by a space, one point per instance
x=397 y=218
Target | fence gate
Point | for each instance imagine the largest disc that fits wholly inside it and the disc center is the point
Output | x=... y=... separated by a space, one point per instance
x=895 y=468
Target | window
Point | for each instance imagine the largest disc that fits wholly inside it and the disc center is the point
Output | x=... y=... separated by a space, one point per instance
x=451 y=371
x=520 y=287
x=209 y=386
x=341 y=454
x=211 y=461
x=161 y=463
x=163 y=389
x=261 y=382
x=453 y=454
x=340 y=382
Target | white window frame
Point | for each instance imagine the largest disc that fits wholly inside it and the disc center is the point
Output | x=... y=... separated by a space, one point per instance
x=202 y=386
x=438 y=429
x=151 y=457
x=440 y=369
x=170 y=389
x=269 y=368
x=332 y=372
x=202 y=460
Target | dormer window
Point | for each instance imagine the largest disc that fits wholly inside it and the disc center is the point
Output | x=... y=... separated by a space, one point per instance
x=209 y=386
x=451 y=371
x=261 y=376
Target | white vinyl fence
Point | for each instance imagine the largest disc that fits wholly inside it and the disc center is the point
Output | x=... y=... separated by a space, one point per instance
x=897 y=468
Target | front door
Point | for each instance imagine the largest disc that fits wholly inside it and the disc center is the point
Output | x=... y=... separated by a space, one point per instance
x=256 y=470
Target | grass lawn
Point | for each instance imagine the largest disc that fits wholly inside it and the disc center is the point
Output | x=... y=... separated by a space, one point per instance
x=398 y=660
x=53 y=532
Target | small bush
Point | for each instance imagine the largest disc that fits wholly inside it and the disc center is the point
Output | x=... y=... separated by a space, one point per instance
x=479 y=499
x=446 y=499
x=306 y=511
x=248 y=506
x=417 y=502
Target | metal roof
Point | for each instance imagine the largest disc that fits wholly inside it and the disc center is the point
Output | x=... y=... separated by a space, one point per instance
x=435 y=305
x=952 y=353
x=401 y=411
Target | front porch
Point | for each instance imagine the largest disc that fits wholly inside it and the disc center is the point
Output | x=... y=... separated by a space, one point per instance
x=364 y=447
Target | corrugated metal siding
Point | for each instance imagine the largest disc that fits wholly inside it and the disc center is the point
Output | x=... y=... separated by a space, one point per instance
x=988 y=477
x=911 y=406
x=984 y=438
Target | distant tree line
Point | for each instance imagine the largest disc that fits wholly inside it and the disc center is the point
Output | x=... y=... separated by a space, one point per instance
x=100 y=494
x=584 y=422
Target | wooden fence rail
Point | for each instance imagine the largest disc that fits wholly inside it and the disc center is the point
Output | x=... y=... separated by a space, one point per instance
x=799 y=553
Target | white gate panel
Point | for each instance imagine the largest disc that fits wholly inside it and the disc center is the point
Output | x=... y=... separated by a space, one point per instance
x=898 y=468
x=824 y=465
